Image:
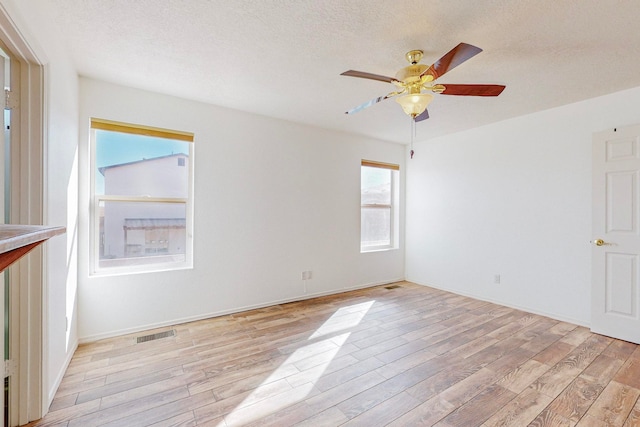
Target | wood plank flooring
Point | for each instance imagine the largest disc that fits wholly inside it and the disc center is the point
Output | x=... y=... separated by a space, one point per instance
x=407 y=356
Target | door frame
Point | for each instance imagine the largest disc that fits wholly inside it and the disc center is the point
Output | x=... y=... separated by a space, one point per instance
x=28 y=276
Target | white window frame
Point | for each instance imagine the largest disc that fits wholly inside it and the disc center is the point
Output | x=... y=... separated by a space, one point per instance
x=97 y=199
x=393 y=207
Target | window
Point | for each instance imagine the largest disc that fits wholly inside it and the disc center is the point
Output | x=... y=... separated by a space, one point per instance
x=141 y=201
x=378 y=205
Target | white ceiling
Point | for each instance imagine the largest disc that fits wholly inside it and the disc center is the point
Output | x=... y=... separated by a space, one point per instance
x=283 y=58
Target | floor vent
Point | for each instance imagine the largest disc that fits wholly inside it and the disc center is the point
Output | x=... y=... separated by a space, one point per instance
x=392 y=286
x=152 y=337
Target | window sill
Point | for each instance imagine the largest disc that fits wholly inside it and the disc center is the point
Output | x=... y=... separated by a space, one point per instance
x=127 y=271
x=369 y=250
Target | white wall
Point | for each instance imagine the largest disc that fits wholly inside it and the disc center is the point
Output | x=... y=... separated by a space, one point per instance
x=61 y=208
x=61 y=191
x=272 y=199
x=514 y=199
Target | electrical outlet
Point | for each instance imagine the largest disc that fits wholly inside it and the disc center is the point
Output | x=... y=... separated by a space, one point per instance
x=496 y=279
x=306 y=275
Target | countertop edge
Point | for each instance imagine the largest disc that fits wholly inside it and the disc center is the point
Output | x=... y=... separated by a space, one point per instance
x=16 y=236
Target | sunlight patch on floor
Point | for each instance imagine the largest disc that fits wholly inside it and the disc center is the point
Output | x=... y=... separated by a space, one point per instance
x=275 y=392
x=344 y=318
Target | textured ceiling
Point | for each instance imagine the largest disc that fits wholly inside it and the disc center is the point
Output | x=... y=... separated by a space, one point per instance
x=283 y=58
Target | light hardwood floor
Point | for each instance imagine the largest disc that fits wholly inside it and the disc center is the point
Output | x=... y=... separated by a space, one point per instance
x=406 y=356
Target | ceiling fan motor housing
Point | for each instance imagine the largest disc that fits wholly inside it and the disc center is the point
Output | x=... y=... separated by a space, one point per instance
x=411 y=74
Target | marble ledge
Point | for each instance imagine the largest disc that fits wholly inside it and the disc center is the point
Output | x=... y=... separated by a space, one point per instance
x=16 y=236
x=17 y=240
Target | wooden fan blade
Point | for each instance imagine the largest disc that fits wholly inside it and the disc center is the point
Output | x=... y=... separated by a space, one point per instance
x=421 y=117
x=370 y=103
x=473 y=90
x=452 y=59
x=363 y=75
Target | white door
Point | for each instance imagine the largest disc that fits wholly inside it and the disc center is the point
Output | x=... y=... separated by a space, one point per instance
x=615 y=290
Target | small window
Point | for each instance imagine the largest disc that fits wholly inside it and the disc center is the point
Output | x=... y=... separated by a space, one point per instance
x=141 y=193
x=378 y=205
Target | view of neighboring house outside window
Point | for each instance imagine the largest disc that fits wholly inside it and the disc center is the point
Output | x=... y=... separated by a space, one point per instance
x=378 y=205
x=141 y=198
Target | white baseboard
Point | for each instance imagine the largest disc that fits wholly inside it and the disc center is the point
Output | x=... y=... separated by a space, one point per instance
x=60 y=376
x=507 y=304
x=111 y=334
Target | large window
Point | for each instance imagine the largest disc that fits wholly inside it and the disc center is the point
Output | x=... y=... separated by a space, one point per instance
x=141 y=201
x=378 y=205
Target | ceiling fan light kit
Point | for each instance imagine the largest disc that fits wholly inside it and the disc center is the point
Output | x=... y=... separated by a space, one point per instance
x=414 y=104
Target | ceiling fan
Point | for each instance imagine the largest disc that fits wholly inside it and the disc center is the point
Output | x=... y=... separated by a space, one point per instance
x=412 y=80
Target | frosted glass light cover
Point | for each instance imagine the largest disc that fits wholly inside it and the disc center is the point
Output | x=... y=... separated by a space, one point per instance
x=414 y=104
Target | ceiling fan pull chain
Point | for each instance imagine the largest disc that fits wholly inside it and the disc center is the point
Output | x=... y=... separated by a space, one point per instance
x=413 y=134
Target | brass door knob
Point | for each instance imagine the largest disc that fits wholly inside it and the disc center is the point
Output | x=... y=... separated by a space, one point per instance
x=599 y=242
